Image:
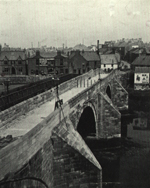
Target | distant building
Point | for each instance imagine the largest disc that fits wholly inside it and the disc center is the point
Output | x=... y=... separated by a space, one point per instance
x=61 y=63
x=133 y=53
x=36 y=64
x=141 y=68
x=48 y=63
x=83 y=61
x=125 y=45
x=109 y=62
x=13 y=63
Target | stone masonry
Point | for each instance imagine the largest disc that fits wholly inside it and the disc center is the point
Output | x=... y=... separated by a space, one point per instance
x=40 y=152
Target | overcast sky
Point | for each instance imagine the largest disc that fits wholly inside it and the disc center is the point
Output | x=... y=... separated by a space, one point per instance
x=54 y=22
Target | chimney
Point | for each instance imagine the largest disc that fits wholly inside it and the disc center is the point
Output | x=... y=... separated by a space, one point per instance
x=97 y=44
x=38 y=53
x=59 y=53
x=98 y=47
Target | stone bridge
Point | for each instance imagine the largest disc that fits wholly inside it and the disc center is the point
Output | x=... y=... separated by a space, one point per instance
x=47 y=144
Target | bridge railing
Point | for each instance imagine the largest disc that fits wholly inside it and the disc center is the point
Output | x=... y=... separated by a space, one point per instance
x=29 y=104
x=35 y=101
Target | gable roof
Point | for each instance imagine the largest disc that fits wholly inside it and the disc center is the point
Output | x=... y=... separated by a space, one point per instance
x=142 y=60
x=48 y=54
x=142 y=69
x=108 y=59
x=90 y=56
x=87 y=55
x=12 y=55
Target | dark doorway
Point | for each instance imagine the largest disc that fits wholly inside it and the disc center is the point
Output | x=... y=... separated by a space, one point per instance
x=13 y=70
x=108 y=91
x=79 y=72
x=86 y=125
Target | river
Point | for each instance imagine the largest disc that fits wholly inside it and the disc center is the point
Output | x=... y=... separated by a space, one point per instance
x=129 y=165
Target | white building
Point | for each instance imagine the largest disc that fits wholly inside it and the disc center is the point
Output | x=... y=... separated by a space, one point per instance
x=109 y=62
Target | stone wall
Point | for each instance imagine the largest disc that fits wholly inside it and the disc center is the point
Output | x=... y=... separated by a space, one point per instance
x=120 y=96
x=24 y=107
x=39 y=166
x=19 y=79
x=71 y=169
x=36 y=154
x=50 y=152
x=109 y=118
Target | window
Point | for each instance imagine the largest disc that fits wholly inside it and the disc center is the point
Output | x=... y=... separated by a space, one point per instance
x=95 y=64
x=74 y=71
x=104 y=65
x=5 y=62
x=6 y=70
x=61 y=71
x=20 y=69
x=19 y=62
x=66 y=71
x=61 y=61
x=83 y=70
x=112 y=65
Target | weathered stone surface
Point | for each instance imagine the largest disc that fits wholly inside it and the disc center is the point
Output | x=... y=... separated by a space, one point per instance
x=43 y=151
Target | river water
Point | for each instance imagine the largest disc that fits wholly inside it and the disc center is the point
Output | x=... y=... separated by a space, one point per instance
x=127 y=166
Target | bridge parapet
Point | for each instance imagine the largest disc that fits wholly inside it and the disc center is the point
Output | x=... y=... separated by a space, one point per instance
x=32 y=154
x=24 y=107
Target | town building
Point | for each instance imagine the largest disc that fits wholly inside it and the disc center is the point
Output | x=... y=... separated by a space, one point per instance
x=141 y=68
x=36 y=64
x=13 y=63
x=61 y=63
x=48 y=63
x=83 y=61
x=133 y=53
x=109 y=62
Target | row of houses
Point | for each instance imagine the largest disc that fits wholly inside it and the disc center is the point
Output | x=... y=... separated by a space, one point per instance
x=77 y=62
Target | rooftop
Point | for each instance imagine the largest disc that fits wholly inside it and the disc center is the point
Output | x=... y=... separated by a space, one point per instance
x=142 y=60
x=90 y=56
x=12 y=55
x=142 y=69
x=87 y=55
x=108 y=59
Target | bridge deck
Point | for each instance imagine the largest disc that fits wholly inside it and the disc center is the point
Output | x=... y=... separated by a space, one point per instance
x=25 y=123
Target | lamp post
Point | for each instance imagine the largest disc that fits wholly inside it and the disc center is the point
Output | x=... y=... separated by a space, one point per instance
x=7 y=83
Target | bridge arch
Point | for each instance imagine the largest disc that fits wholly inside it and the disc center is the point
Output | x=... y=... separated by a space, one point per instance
x=87 y=124
x=108 y=91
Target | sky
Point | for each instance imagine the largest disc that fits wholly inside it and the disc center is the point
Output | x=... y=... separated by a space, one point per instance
x=54 y=22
